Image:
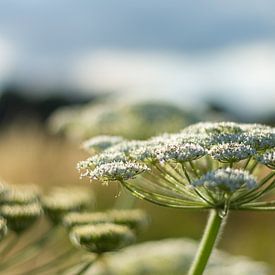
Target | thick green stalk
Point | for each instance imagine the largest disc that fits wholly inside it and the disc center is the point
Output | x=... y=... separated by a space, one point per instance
x=207 y=243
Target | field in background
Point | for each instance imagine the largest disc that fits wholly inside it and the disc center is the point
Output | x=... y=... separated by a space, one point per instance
x=28 y=155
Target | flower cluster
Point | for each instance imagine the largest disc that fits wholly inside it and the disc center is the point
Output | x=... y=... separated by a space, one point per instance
x=228 y=180
x=135 y=219
x=131 y=120
x=102 y=238
x=61 y=201
x=20 y=207
x=206 y=165
x=101 y=232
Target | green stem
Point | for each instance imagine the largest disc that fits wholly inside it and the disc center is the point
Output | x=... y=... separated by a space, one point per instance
x=53 y=262
x=29 y=251
x=247 y=162
x=207 y=243
x=84 y=268
x=66 y=268
x=253 y=167
x=9 y=246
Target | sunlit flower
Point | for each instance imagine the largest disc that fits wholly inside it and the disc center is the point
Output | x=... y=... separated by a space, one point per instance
x=181 y=169
x=228 y=180
x=231 y=152
x=117 y=170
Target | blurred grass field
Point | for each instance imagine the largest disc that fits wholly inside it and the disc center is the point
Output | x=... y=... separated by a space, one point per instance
x=29 y=155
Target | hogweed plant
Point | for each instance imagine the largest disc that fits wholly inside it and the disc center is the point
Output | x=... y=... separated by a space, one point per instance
x=218 y=167
x=66 y=227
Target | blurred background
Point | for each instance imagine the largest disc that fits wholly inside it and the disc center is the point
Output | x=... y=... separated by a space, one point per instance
x=209 y=60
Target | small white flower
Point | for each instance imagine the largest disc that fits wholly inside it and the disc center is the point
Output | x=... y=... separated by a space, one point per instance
x=261 y=139
x=231 y=152
x=180 y=152
x=100 y=143
x=117 y=170
x=183 y=137
x=214 y=127
x=228 y=180
x=125 y=146
x=102 y=158
x=267 y=158
x=146 y=151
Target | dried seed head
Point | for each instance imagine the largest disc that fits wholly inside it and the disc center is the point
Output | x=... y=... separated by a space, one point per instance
x=100 y=143
x=267 y=158
x=102 y=238
x=75 y=219
x=135 y=219
x=61 y=201
x=3 y=228
x=231 y=152
x=19 y=217
x=117 y=171
x=227 y=180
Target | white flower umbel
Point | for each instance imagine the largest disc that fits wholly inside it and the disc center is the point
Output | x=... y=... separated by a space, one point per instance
x=227 y=180
x=267 y=158
x=231 y=152
x=216 y=127
x=99 y=159
x=261 y=139
x=180 y=152
x=205 y=166
x=117 y=170
x=100 y=143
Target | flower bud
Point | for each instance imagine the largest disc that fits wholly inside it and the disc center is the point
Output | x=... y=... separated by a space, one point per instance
x=21 y=194
x=102 y=237
x=135 y=219
x=100 y=143
x=61 y=201
x=75 y=218
x=20 y=217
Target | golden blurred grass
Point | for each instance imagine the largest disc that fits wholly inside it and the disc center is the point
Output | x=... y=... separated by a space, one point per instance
x=29 y=155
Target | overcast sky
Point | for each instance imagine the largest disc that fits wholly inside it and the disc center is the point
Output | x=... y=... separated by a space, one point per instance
x=41 y=40
x=66 y=26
